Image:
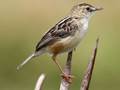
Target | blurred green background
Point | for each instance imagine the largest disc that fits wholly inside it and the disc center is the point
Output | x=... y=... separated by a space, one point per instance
x=22 y=24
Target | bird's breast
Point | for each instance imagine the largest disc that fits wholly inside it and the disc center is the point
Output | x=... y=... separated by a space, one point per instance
x=83 y=27
x=84 y=23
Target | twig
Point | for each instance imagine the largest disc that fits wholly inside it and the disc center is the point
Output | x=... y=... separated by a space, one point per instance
x=64 y=84
x=87 y=77
x=39 y=83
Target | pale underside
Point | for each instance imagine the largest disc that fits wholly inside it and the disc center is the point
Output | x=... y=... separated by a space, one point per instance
x=64 y=45
x=69 y=42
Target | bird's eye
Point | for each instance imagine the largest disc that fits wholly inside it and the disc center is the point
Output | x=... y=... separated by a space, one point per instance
x=88 y=9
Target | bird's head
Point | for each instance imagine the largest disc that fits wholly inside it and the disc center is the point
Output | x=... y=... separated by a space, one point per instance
x=84 y=10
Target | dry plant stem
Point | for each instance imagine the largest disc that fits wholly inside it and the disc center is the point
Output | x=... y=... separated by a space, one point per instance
x=39 y=82
x=64 y=84
x=87 y=77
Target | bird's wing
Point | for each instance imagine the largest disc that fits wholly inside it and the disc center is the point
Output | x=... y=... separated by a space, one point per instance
x=62 y=29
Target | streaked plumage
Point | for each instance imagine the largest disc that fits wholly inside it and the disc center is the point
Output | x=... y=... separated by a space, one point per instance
x=66 y=34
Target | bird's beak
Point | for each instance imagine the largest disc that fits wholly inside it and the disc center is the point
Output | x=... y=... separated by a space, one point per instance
x=98 y=9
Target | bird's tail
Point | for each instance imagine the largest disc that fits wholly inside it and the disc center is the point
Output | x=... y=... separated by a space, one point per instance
x=25 y=61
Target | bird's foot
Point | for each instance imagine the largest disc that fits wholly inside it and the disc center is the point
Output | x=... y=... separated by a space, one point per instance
x=67 y=77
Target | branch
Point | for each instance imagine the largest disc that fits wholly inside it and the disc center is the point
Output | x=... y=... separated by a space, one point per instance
x=64 y=84
x=39 y=83
x=87 y=77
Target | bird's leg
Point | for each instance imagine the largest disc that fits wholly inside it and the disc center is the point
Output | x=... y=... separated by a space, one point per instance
x=65 y=76
x=54 y=59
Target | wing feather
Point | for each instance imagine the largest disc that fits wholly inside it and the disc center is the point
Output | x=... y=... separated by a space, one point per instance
x=62 y=29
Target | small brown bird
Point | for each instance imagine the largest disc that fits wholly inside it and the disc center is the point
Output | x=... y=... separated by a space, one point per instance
x=66 y=34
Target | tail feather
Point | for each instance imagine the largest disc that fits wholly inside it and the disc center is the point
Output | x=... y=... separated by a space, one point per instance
x=25 y=61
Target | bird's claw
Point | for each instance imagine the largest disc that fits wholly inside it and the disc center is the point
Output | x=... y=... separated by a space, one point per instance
x=67 y=77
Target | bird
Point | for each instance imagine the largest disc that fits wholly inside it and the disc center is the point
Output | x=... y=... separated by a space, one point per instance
x=66 y=35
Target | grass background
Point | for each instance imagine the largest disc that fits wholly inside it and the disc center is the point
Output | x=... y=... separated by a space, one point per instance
x=22 y=24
